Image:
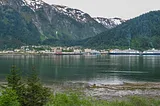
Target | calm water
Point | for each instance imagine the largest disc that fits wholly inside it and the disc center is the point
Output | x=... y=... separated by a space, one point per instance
x=93 y=69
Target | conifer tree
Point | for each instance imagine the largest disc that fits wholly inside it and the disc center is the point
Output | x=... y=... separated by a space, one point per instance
x=31 y=93
x=14 y=78
x=15 y=83
x=36 y=95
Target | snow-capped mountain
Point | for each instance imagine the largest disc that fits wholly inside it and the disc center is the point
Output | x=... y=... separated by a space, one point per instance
x=76 y=14
x=40 y=22
x=109 y=22
x=81 y=16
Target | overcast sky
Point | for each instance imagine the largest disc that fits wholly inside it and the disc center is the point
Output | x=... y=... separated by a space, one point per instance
x=111 y=8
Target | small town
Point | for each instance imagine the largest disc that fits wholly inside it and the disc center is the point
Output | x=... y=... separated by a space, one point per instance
x=76 y=50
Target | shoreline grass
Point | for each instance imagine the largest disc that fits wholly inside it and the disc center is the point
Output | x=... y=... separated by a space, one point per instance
x=74 y=99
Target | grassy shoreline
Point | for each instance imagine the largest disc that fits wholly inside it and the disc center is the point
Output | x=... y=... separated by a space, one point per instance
x=73 y=99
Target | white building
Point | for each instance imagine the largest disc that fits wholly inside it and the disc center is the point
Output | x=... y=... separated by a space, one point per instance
x=87 y=50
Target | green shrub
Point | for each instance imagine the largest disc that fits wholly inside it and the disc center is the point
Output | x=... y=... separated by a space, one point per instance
x=9 y=98
x=141 y=101
x=70 y=99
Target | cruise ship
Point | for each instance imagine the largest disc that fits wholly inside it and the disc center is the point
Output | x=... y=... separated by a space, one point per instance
x=124 y=52
x=151 y=52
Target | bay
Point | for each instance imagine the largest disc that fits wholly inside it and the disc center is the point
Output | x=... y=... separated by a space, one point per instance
x=104 y=69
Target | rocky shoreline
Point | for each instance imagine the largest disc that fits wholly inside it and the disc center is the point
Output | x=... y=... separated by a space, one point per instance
x=108 y=91
x=111 y=92
x=124 y=90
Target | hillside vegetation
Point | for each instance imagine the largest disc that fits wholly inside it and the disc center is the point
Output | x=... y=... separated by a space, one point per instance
x=142 y=32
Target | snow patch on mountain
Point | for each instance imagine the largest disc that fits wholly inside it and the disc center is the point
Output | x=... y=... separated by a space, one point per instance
x=34 y=4
x=109 y=22
x=27 y=2
x=1 y=3
x=76 y=14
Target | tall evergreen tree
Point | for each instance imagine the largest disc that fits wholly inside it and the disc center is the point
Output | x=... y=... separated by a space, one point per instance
x=36 y=94
x=15 y=83
x=14 y=78
x=31 y=93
